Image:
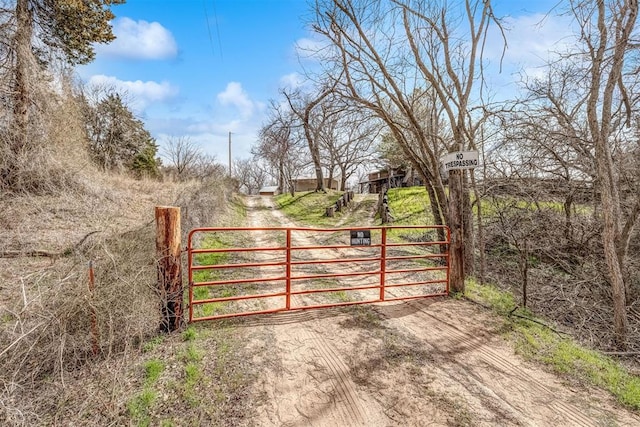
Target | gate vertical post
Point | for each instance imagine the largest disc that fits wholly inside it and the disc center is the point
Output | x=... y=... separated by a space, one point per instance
x=447 y=259
x=288 y=270
x=190 y=274
x=169 y=266
x=383 y=261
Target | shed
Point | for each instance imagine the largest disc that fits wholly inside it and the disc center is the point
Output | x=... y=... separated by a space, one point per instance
x=269 y=191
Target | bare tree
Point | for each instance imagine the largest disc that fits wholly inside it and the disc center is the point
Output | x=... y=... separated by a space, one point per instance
x=206 y=166
x=573 y=131
x=182 y=156
x=419 y=51
x=250 y=174
x=281 y=146
x=303 y=107
x=348 y=141
x=608 y=39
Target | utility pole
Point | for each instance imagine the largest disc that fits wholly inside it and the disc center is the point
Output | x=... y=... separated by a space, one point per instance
x=229 y=153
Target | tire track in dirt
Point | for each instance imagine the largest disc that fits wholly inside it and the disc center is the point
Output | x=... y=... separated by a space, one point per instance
x=318 y=389
x=478 y=362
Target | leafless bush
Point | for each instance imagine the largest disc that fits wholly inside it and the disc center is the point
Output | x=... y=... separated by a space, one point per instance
x=45 y=316
x=557 y=266
x=46 y=329
x=56 y=150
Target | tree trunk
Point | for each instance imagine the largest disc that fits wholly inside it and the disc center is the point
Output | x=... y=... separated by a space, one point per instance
x=24 y=31
x=281 y=177
x=437 y=214
x=467 y=227
x=343 y=178
x=480 y=236
x=455 y=221
x=609 y=240
x=568 y=224
x=606 y=67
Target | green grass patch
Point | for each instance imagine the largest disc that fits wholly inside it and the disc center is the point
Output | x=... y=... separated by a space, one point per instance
x=308 y=207
x=193 y=374
x=152 y=344
x=140 y=406
x=340 y=296
x=410 y=206
x=152 y=371
x=190 y=334
x=500 y=301
x=191 y=354
x=212 y=241
x=566 y=356
x=238 y=207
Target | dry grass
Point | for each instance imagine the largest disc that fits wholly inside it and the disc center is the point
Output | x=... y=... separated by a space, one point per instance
x=46 y=306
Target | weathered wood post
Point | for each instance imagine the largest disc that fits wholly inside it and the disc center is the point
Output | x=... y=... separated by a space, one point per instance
x=168 y=248
x=384 y=213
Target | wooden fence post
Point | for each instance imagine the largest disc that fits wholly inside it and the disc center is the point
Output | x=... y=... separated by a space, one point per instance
x=168 y=247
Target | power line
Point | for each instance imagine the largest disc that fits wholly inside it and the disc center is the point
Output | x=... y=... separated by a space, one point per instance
x=215 y=15
x=206 y=15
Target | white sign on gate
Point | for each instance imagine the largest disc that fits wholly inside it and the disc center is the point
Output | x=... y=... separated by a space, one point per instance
x=460 y=160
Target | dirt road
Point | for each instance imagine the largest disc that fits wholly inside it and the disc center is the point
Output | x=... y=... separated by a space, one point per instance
x=434 y=362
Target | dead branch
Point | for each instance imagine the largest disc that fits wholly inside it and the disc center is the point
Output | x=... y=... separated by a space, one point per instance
x=46 y=254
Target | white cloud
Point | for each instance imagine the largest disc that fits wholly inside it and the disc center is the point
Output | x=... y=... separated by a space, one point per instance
x=142 y=93
x=140 y=40
x=213 y=138
x=531 y=39
x=235 y=96
x=310 y=49
x=292 y=81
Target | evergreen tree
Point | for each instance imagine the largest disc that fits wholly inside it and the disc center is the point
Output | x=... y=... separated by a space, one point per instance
x=119 y=140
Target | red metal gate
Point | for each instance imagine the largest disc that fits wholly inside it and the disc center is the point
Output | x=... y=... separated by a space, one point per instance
x=243 y=271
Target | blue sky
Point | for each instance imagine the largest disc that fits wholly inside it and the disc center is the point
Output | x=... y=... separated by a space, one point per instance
x=203 y=68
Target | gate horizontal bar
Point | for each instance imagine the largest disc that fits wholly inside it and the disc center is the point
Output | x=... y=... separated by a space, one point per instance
x=328 y=275
x=334 y=261
x=237 y=298
x=317 y=291
x=417 y=270
x=218 y=250
x=238 y=281
x=426 y=282
x=239 y=265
